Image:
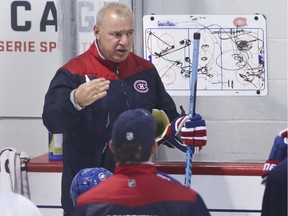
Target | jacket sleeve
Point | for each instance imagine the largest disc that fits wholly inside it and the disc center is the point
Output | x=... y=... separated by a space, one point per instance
x=59 y=113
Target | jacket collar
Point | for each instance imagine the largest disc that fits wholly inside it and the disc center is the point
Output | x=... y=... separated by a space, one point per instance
x=142 y=168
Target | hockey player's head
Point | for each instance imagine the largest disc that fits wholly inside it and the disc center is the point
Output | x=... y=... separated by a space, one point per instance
x=133 y=137
x=85 y=179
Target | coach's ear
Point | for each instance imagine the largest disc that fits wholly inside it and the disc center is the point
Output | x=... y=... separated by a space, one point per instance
x=111 y=147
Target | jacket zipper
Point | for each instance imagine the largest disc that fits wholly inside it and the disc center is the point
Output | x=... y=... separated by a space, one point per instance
x=125 y=94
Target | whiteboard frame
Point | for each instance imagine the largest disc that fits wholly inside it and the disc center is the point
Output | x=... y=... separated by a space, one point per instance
x=237 y=62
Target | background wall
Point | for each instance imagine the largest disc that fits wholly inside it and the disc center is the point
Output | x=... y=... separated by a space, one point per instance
x=239 y=128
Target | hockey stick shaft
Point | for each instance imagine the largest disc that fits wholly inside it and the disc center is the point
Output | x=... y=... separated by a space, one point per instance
x=192 y=104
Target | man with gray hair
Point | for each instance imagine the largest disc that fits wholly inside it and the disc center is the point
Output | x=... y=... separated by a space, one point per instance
x=88 y=93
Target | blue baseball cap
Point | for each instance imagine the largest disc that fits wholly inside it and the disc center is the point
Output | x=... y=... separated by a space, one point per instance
x=135 y=127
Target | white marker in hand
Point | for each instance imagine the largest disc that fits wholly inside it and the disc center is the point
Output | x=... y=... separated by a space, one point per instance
x=87 y=78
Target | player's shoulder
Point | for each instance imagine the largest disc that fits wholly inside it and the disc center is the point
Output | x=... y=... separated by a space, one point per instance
x=280 y=171
x=167 y=177
x=16 y=204
x=75 y=64
x=177 y=189
x=139 y=60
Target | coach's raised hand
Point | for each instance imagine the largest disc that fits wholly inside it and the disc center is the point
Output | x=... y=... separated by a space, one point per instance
x=89 y=92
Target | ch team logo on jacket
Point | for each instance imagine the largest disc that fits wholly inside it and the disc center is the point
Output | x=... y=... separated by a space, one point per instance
x=141 y=86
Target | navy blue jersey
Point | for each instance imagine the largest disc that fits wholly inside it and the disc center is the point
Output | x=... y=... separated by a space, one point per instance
x=137 y=190
x=275 y=195
x=134 y=83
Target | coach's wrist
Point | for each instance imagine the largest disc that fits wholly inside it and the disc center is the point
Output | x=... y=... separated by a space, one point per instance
x=73 y=100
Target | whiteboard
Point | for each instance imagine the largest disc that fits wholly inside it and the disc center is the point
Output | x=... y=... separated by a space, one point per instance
x=232 y=53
